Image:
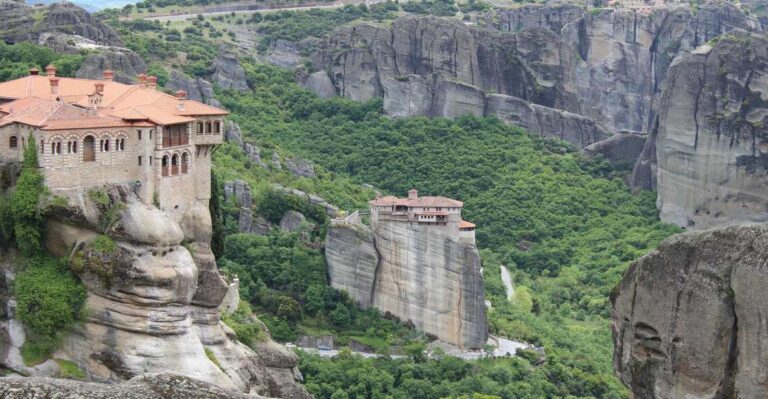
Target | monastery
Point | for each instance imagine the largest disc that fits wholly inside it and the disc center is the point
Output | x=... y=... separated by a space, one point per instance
x=431 y=211
x=94 y=132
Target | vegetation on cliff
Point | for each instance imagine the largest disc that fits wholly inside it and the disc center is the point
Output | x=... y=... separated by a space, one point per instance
x=49 y=297
x=566 y=227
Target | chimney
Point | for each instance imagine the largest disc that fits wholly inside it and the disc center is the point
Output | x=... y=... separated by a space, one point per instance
x=99 y=87
x=54 y=85
x=152 y=82
x=142 y=80
x=413 y=194
x=34 y=72
x=109 y=75
x=50 y=70
x=181 y=95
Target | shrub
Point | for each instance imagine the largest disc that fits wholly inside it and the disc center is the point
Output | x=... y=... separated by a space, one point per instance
x=49 y=300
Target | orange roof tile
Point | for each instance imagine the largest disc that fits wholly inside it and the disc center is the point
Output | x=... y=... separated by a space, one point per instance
x=423 y=202
x=122 y=101
x=466 y=225
x=50 y=114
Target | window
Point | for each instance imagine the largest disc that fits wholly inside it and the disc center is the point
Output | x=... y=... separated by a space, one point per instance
x=104 y=145
x=14 y=142
x=184 y=163
x=150 y=134
x=207 y=127
x=74 y=147
x=42 y=146
x=175 y=165
x=139 y=160
x=88 y=149
x=150 y=161
x=199 y=127
x=119 y=144
x=165 y=165
x=216 y=127
x=139 y=132
x=69 y=147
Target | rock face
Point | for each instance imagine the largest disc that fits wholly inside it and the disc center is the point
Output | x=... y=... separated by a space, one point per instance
x=154 y=305
x=22 y=22
x=622 y=149
x=551 y=69
x=689 y=318
x=711 y=136
x=228 y=73
x=152 y=386
x=125 y=63
x=197 y=89
x=388 y=268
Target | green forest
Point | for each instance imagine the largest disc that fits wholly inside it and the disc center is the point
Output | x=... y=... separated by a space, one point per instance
x=567 y=227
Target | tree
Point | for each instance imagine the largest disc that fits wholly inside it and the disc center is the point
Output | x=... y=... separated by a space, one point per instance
x=314 y=298
x=25 y=203
x=340 y=315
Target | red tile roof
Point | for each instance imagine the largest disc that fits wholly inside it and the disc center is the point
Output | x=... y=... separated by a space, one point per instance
x=419 y=202
x=466 y=225
x=129 y=103
x=58 y=115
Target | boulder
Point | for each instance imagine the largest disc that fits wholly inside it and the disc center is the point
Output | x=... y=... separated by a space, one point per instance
x=228 y=73
x=197 y=89
x=238 y=192
x=622 y=149
x=300 y=167
x=320 y=84
x=233 y=134
x=688 y=318
x=292 y=221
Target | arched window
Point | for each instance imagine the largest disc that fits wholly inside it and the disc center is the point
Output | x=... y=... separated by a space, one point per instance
x=165 y=165
x=175 y=164
x=14 y=142
x=119 y=145
x=104 y=145
x=69 y=147
x=42 y=146
x=74 y=146
x=89 y=153
x=185 y=163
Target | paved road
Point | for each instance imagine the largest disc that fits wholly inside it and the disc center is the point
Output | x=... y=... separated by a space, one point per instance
x=183 y=17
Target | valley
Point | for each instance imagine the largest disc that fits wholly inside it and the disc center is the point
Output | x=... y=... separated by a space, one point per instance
x=591 y=147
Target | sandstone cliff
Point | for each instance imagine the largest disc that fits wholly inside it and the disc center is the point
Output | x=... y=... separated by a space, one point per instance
x=155 y=301
x=689 y=318
x=557 y=70
x=22 y=22
x=711 y=135
x=415 y=272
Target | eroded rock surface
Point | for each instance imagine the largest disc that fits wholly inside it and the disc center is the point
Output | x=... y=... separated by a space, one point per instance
x=689 y=317
x=151 y=386
x=155 y=301
x=390 y=267
x=604 y=66
x=711 y=138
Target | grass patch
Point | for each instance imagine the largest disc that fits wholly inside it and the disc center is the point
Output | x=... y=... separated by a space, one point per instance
x=70 y=370
x=32 y=354
x=104 y=244
x=212 y=358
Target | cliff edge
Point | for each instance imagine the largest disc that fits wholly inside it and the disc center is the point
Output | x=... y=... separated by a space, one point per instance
x=689 y=317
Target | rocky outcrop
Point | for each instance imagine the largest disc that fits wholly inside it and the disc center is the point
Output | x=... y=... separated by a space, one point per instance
x=155 y=299
x=416 y=272
x=549 y=68
x=197 y=89
x=320 y=83
x=150 y=386
x=622 y=149
x=711 y=135
x=292 y=221
x=25 y=23
x=689 y=318
x=300 y=167
x=228 y=73
x=125 y=63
